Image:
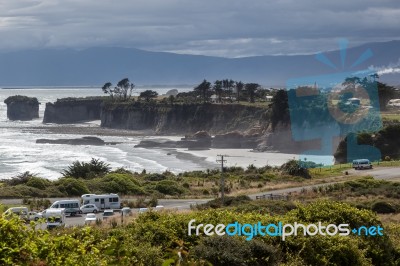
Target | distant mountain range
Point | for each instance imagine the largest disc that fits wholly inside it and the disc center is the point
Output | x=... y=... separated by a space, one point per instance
x=95 y=66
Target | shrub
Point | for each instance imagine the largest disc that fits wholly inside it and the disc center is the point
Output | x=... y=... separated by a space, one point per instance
x=383 y=207
x=206 y=192
x=295 y=168
x=155 y=177
x=38 y=182
x=22 y=178
x=87 y=170
x=153 y=202
x=72 y=186
x=120 y=183
x=225 y=250
x=169 y=187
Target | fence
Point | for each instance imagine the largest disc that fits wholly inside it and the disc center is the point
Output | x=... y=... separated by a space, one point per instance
x=273 y=197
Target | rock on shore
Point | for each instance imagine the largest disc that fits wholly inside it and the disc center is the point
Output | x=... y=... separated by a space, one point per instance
x=22 y=107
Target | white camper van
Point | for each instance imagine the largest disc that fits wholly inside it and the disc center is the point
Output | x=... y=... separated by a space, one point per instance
x=22 y=212
x=104 y=201
x=55 y=218
x=71 y=207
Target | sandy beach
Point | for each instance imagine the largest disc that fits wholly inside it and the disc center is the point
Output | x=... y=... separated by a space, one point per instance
x=241 y=157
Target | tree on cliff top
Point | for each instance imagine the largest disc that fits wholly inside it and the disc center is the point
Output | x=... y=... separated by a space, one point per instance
x=148 y=95
x=123 y=90
x=204 y=90
x=251 y=90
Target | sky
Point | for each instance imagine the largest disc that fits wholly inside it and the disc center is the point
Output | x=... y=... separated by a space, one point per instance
x=227 y=28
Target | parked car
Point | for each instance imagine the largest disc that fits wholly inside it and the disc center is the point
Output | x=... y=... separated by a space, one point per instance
x=141 y=210
x=90 y=217
x=107 y=214
x=126 y=211
x=89 y=208
x=362 y=164
x=34 y=216
x=159 y=207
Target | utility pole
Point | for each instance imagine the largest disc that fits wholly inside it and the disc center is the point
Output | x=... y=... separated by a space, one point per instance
x=222 y=184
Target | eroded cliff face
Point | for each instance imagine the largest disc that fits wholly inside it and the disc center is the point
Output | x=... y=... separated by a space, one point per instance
x=183 y=119
x=22 y=108
x=72 y=110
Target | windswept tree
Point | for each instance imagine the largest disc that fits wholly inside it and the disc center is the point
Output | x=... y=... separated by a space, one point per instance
x=123 y=90
x=239 y=87
x=203 y=89
x=148 y=95
x=218 y=89
x=107 y=89
x=251 y=90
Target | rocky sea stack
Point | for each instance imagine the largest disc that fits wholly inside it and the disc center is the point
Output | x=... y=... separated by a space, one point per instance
x=22 y=107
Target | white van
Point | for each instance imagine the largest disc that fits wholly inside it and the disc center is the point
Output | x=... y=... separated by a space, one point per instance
x=55 y=218
x=362 y=164
x=71 y=207
x=22 y=212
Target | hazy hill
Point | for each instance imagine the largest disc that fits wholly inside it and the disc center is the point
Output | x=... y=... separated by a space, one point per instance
x=94 y=66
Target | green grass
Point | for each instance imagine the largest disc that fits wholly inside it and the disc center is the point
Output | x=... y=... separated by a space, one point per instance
x=390 y=116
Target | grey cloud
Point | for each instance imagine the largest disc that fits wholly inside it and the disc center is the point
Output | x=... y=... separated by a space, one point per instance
x=223 y=28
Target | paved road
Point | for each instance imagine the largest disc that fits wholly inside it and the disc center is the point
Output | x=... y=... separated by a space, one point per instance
x=385 y=173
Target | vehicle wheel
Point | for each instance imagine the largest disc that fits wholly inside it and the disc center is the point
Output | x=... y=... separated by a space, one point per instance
x=36 y=218
x=94 y=211
x=73 y=213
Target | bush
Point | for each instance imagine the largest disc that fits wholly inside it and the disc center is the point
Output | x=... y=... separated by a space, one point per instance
x=88 y=170
x=155 y=177
x=295 y=168
x=383 y=207
x=38 y=182
x=72 y=187
x=22 y=178
x=228 y=201
x=169 y=187
x=226 y=250
x=120 y=183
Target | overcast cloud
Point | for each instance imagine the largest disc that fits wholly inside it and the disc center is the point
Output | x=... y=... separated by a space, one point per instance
x=230 y=28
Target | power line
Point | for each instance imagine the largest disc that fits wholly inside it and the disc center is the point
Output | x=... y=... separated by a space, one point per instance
x=222 y=183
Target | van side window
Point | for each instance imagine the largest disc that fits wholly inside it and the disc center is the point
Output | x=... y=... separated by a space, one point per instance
x=96 y=200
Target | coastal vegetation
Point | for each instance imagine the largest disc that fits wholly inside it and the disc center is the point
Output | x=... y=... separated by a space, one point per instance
x=161 y=238
x=97 y=177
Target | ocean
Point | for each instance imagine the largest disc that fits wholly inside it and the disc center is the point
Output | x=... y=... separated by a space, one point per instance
x=20 y=153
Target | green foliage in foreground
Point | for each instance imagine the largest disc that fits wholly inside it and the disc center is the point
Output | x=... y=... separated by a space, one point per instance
x=155 y=238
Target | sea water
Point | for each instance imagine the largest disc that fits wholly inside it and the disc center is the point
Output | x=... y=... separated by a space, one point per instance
x=19 y=151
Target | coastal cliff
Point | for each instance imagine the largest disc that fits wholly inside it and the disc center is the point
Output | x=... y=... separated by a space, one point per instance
x=73 y=110
x=22 y=107
x=182 y=118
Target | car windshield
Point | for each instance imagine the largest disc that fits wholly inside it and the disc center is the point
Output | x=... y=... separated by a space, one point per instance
x=108 y=213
